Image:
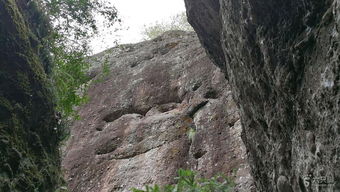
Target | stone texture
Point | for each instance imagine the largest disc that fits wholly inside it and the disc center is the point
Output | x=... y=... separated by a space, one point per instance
x=282 y=60
x=135 y=129
x=29 y=156
x=207 y=21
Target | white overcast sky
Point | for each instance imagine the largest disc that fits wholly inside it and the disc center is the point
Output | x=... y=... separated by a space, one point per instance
x=135 y=14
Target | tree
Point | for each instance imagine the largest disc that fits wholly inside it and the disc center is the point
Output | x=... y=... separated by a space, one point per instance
x=177 y=22
x=70 y=25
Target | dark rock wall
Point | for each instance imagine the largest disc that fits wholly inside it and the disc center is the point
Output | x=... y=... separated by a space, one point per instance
x=29 y=159
x=208 y=23
x=282 y=59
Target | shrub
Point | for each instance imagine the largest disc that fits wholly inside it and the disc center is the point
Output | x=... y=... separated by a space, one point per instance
x=177 y=22
x=187 y=181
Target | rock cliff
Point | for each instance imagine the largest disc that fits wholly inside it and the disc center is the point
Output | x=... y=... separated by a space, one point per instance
x=29 y=157
x=155 y=107
x=282 y=58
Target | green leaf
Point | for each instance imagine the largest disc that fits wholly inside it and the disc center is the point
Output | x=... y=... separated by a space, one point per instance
x=187 y=181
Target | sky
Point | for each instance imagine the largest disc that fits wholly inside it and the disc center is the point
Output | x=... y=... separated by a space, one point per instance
x=135 y=14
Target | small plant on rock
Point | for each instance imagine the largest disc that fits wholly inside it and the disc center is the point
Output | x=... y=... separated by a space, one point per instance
x=187 y=181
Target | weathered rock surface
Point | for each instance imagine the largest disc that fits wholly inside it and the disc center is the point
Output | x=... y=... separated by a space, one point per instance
x=29 y=157
x=207 y=21
x=282 y=60
x=135 y=129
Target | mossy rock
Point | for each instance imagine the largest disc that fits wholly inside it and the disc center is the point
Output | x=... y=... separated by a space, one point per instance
x=29 y=156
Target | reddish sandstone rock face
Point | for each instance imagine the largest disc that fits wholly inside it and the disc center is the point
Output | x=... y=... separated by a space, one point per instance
x=134 y=130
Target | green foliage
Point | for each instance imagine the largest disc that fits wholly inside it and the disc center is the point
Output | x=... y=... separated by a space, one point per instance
x=177 y=22
x=187 y=181
x=72 y=23
x=191 y=134
x=69 y=76
x=78 y=19
x=105 y=70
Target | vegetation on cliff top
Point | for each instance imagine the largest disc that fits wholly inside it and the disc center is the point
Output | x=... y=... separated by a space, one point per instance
x=177 y=22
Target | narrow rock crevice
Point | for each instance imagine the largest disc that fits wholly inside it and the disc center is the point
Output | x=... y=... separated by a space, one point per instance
x=211 y=94
x=112 y=116
x=108 y=147
x=134 y=153
x=200 y=153
x=193 y=109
